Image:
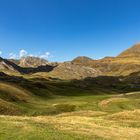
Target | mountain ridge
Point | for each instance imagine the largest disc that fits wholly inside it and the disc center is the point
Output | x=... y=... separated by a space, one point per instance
x=133 y=51
x=125 y=63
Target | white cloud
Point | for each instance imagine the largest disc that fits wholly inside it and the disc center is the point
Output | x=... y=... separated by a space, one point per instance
x=31 y=55
x=0 y=52
x=46 y=55
x=12 y=56
x=23 y=53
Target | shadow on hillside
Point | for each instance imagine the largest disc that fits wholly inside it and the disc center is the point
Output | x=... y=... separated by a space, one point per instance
x=28 y=70
x=46 y=68
x=50 y=86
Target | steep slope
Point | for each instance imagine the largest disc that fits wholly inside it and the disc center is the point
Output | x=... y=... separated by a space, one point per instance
x=131 y=52
x=11 y=92
x=11 y=96
x=32 y=62
x=11 y=66
x=15 y=61
x=117 y=66
x=124 y=64
x=6 y=65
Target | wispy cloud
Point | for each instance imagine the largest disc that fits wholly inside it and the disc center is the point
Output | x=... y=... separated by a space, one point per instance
x=46 y=55
x=0 y=52
x=13 y=56
x=24 y=53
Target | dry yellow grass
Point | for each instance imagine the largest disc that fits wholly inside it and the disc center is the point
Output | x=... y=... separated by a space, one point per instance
x=103 y=126
x=126 y=115
x=87 y=113
x=106 y=102
x=12 y=92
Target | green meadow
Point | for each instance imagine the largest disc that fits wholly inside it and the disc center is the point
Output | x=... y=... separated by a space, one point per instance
x=67 y=113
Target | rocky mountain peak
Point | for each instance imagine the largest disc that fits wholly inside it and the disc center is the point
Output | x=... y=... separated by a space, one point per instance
x=32 y=62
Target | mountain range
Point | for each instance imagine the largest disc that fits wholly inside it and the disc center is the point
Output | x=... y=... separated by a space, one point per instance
x=124 y=64
x=27 y=82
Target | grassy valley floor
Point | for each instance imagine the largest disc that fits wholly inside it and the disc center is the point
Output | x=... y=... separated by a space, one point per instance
x=91 y=117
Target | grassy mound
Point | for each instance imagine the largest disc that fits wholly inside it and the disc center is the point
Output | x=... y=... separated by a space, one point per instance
x=7 y=108
x=13 y=93
x=11 y=99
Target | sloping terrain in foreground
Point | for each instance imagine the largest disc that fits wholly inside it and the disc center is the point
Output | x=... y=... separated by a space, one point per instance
x=36 y=108
x=116 y=119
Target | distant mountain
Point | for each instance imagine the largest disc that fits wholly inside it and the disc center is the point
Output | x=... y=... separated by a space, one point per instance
x=81 y=67
x=10 y=66
x=15 y=61
x=33 y=62
x=6 y=65
x=124 y=64
x=69 y=70
x=131 y=52
x=83 y=60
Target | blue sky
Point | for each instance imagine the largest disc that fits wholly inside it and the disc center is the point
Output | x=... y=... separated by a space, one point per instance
x=64 y=29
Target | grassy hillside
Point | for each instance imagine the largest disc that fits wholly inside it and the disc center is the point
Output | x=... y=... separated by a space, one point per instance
x=38 y=108
x=124 y=64
x=93 y=117
x=31 y=95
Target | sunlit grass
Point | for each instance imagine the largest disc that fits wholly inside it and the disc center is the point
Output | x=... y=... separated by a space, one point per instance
x=68 y=117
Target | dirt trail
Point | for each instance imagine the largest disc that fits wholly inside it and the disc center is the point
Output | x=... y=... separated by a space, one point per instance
x=116 y=98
